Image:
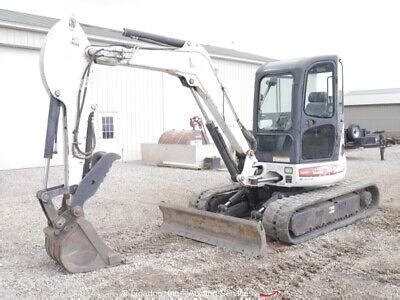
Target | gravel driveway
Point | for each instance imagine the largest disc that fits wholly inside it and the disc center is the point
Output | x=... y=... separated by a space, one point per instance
x=357 y=261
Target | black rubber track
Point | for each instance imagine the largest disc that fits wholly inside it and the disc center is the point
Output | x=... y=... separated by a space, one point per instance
x=277 y=216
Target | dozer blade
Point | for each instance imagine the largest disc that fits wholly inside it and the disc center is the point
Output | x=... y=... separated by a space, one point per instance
x=78 y=248
x=245 y=236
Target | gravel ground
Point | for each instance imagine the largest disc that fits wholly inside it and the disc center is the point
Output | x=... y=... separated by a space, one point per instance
x=361 y=260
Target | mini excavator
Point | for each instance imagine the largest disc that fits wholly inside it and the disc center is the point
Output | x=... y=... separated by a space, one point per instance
x=288 y=173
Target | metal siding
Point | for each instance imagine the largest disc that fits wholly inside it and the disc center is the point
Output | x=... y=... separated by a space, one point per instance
x=374 y=117
x=137 y=98
x=179 y=104
x=24 y=108
x=238 y=78
x=21 y=38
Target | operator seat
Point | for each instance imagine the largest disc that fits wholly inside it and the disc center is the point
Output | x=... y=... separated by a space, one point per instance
x=318 y=105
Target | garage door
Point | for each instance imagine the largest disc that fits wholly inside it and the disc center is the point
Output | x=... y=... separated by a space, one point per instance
x=23 y=112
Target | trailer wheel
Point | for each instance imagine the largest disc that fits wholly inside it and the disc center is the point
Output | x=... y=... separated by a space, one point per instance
x=353 y=132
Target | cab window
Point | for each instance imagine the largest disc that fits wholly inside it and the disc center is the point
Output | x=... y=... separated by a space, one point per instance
x=319 y=101
x=275 y=102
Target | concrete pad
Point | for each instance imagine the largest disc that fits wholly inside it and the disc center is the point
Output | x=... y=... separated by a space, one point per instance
x=186 y=154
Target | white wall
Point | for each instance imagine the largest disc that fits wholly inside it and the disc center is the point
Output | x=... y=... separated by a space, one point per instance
x=136 y=98
x=179 y=105
x=23 y=109
x=238 y=78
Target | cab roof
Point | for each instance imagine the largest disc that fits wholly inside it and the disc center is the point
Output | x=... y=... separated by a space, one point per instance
x=294 y=64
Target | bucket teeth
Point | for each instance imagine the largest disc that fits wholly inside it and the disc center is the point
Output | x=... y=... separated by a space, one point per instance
x=78 y=248
x=245 y=236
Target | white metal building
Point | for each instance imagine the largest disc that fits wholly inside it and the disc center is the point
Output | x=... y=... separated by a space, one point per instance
x=374 y=110
x=141 y=104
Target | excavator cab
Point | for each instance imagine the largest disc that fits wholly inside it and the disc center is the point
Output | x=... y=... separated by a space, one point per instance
x=298 y=114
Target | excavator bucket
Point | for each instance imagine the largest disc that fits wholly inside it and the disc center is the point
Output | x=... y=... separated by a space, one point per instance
x=70 y=239
x=241 y=235
x=77 y=247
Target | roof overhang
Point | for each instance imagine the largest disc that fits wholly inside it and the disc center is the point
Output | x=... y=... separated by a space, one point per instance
x=114 y=36
x=372 y=97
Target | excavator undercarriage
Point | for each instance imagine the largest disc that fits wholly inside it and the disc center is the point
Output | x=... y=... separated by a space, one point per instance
x=290 y=217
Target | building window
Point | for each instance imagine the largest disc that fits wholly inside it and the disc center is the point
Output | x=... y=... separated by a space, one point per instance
x=108 y=127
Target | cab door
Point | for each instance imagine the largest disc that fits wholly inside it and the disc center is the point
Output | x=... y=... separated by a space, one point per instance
x=319 y=125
